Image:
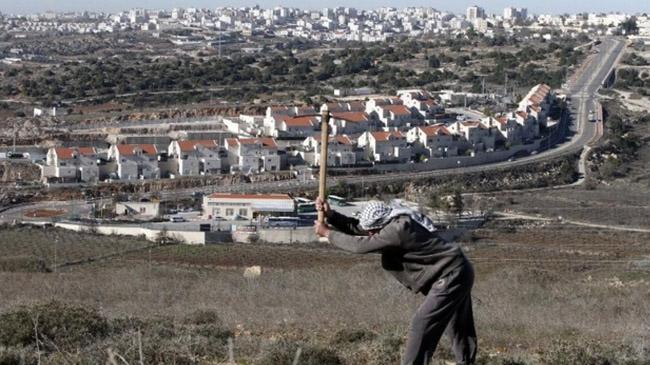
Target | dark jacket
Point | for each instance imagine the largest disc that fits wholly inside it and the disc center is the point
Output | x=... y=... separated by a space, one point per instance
x=415 y=256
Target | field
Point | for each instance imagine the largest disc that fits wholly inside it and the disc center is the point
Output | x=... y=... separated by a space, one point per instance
x=545 y=294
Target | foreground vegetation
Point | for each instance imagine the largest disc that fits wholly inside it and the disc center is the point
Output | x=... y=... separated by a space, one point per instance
x=544 y=295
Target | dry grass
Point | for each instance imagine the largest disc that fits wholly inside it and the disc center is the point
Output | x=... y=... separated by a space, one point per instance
x=534 y=285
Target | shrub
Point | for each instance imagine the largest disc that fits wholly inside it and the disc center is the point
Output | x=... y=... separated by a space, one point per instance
x=23 y=264
x=66 y=326
x=348 y=335
x=203 y=317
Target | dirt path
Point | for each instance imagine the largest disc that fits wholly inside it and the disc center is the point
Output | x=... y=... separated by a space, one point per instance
x=509 y=215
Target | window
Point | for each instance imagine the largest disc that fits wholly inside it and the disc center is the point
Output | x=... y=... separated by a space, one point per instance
x=243 y=212
x=216 y=211
x=143 y=210
x=229 y=212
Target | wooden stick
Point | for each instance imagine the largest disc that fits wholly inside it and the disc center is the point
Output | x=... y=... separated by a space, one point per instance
x=324 y=141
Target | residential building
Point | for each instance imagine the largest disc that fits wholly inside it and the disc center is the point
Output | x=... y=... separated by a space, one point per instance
x=385 y=146
x=145 y=210
x=476 y=134
x=295 y=127
x=196 y=157
x=253 y=155
x=135 y=161
x=394 y=116
x=350 y=123
x=341 y=107
x=275 y=115
x=475 y=12
x=71 y=164
x=247 y=206
x=537 y=103
x=421 y=103
x=434 y=141
x=509 y=131
x=340 y=151
x=372 y=104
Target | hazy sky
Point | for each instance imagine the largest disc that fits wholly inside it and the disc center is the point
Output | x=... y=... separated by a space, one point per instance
x=492 y=6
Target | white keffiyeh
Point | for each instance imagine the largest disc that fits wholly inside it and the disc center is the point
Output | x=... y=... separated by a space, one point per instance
x=377 y=215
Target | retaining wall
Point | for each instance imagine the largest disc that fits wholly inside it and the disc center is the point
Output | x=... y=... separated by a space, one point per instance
x=461 y=161
x=188 y=237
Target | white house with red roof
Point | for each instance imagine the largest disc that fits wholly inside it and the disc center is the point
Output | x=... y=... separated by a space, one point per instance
x=384 y=146
x=340 y=150
x=394 y=116
x=421 y=103
x=479 y=136
x=372 y=104
x=290 y=121
x=71 y=164
x=196 y=157
x=253 y=155
x=247 y=206
x=302 y=126
x=434 y=141
x=350 y=123
x=508 y=129
x=537 y=103
x=135 y=161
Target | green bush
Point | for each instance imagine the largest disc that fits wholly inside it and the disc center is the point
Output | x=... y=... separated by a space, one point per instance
x=65 y=326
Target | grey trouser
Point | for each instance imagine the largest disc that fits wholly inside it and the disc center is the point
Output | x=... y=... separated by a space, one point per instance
x=448 y=304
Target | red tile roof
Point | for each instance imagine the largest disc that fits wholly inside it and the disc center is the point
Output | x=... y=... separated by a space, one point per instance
x=340 y=138
x=398 y=109
x=66 y=153
x=250 y=196
x=430 y=102
x=307 y=121
x=351 y=116
x=383 y=136
x=129 y=149
x=356 y=106
x=190 y=144
x=436 y=129
x=265 y=142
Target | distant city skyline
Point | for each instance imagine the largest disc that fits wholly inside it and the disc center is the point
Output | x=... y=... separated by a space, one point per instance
x=493 y=6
